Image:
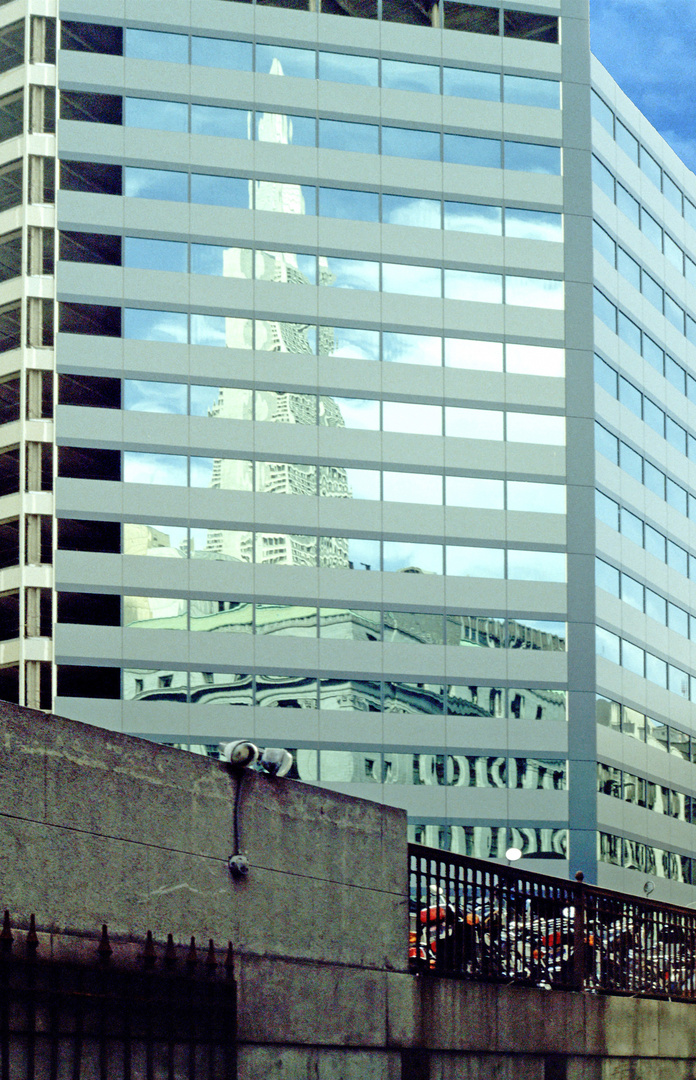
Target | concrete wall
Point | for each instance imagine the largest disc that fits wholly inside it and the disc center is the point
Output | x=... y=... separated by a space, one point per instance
x=97 y=827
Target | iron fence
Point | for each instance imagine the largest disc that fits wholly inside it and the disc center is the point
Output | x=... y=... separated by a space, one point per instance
x=472 y=919
x=93 y=1019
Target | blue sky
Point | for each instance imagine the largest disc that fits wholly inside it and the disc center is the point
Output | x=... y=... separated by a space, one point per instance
x=649 y=47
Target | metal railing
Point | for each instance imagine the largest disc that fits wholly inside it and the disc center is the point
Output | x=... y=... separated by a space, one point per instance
x=472 y=919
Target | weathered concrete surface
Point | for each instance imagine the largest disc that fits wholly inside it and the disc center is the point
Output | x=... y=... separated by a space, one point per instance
x=98 y=827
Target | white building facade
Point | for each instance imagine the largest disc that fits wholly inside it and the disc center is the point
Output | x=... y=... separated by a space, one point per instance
x=325 y=336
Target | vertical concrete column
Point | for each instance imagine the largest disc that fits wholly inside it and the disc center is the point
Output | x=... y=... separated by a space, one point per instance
x=577 y=157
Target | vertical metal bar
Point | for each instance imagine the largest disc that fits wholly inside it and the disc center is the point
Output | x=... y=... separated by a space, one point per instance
x=54 y=1002
x=579 y=931
x=79 y=1026
x=4 y=1014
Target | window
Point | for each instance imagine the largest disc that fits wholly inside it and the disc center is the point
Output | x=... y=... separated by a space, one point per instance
x=532 y=157
x=410 y=142
x=220 y=53
x=10 y=185
x=523 y=24
x=92 y=37
x=93 y=108
x=522 y=90
x=11 y=115
x=11 y=46
x=471 y=18
x=156 y=45
x=351 y=205
x=460 y=82
x=471 y=150
x=345 y=68
x=401 y=75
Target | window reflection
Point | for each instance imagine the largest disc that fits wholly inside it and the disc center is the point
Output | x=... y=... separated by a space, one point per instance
x=412 y=280
x=424 y=558
x=155 y=254
x=351 y=694
x=158 y=115
x=458 y=82
x=351 y=205
x=346 y=135
x=473 y=423
x=284 y=266
x=221 y=261
x=286 y=130
x=413 y=697
x=536 y=428
x=287 y=620
x=235 y=545
x=154 y=469
x=140 y=396
x=152 y=45
x=349 y=766
x=473 y=218
x=358 y=412
x=536 y=565
x=349 y=273
x=471 y=150
x=354 y=344
x=534 y=292
x=220 y=688
x=535 y=360
x=159 y=541
x=474 y=287
x=225 y=122
x=336 y=481
x=155 y=325
x=411 y=143
x=283 y=60
x=408 y=210
x=533 y=224
x=537 y=498
x=155 y=612
x=411 y=349
x=413 y=627
x=475 y=701
x=522 y=90
x=533 y=157
x=412 y=487
x=480 y=562
x=347 y=68
x=285 y=408
x=471 y=492
x=355 y=554
x=285 y=478
x=152 y=684
x=219 y=190
x=536 y=704
x=401 y=75
x=221 y=53
x=475 y=355
x=286 y=692
x=345 y=624
x=228 y=616
x=538 y=773
x=414 y=419
x=228 y=474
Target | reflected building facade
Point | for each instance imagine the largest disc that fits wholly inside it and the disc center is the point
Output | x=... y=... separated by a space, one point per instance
x=313 y=402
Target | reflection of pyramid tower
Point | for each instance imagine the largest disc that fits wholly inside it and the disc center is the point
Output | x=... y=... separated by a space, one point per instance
x=272 y=405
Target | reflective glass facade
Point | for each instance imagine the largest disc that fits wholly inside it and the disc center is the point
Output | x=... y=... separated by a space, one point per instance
x=305 y=364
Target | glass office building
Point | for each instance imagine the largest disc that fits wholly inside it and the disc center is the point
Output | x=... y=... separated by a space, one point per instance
x=348 y=404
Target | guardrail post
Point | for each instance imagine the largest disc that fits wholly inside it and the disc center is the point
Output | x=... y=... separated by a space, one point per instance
x=580 y=945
